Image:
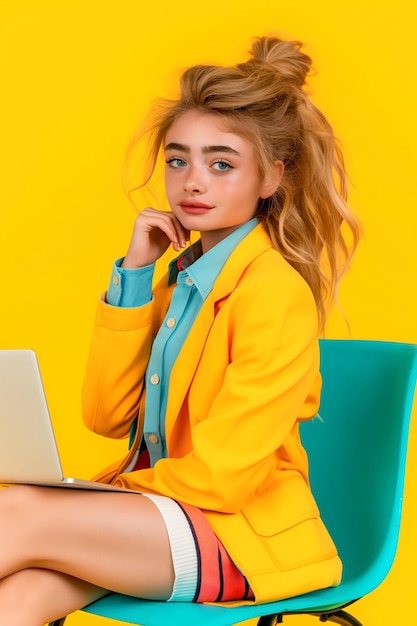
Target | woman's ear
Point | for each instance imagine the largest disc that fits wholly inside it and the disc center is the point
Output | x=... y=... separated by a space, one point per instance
x=273 y=179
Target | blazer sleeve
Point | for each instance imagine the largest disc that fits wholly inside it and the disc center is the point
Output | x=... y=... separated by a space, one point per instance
x=116 y=365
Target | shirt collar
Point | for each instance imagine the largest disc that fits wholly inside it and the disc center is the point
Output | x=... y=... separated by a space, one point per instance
x=203 y=269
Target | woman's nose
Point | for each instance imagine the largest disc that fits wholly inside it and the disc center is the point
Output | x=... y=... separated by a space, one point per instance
x=194 y=182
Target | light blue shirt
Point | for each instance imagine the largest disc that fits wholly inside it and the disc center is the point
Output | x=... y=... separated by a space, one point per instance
x=194 y=274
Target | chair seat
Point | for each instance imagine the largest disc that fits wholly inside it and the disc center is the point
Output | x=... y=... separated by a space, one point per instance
x=150 y=613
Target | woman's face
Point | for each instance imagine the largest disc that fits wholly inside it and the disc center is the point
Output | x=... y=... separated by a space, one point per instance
x=212 y=177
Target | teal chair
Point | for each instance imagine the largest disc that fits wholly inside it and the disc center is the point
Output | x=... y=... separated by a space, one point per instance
x=357 y=454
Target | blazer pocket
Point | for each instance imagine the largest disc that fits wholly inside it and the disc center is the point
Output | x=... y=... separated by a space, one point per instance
x=287 y=521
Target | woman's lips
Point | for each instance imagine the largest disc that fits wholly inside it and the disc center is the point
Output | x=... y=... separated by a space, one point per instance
x=195 y=207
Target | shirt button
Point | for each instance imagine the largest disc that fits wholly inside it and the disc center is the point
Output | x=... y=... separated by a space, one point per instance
x=116 y=280
x=171 y=322
x=153 y=439
x=189 y=281
x=154 y=379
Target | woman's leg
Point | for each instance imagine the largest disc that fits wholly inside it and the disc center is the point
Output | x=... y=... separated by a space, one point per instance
x=34 y=597
x=115 y=541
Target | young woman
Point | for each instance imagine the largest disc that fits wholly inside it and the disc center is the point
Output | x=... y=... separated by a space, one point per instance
x=226 y=348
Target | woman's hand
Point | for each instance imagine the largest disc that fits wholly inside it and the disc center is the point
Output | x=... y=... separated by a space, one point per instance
x=152 y=233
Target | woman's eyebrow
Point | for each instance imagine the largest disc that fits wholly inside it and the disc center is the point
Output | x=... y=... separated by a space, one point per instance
x=177 y=146
x=206 y=149
x=228 y=149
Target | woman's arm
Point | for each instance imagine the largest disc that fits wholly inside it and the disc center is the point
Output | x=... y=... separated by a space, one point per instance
x=122 y=337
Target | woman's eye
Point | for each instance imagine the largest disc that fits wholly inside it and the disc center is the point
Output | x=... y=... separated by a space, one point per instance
x=222 y=166
x=176 y=162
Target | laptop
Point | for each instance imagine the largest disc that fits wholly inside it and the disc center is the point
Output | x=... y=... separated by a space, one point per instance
x=28 y=450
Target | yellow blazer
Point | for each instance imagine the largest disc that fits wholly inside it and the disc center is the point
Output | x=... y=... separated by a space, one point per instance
x=244 y=378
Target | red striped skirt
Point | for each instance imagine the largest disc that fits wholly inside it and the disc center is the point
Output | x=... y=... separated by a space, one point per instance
x=210 y=574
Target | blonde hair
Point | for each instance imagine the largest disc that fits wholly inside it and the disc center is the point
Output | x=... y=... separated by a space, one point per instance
x=264 y=100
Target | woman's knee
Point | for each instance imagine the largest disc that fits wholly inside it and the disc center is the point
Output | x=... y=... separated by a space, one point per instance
x=22 y=500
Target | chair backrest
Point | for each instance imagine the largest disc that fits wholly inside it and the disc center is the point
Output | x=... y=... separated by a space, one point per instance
x=358 y=450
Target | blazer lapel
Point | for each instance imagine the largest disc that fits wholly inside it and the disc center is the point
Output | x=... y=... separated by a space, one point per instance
x=186 y=363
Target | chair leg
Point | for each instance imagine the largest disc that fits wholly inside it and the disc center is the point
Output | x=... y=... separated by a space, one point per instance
x=340 y=617
x=58 y=622
x=269 y=620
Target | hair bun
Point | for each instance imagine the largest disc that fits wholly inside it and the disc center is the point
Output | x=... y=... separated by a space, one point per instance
x=284 y=57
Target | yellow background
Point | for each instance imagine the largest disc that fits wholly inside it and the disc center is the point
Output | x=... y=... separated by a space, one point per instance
x=77 y=78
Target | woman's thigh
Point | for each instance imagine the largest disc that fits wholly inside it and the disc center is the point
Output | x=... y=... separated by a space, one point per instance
x=114 y=540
